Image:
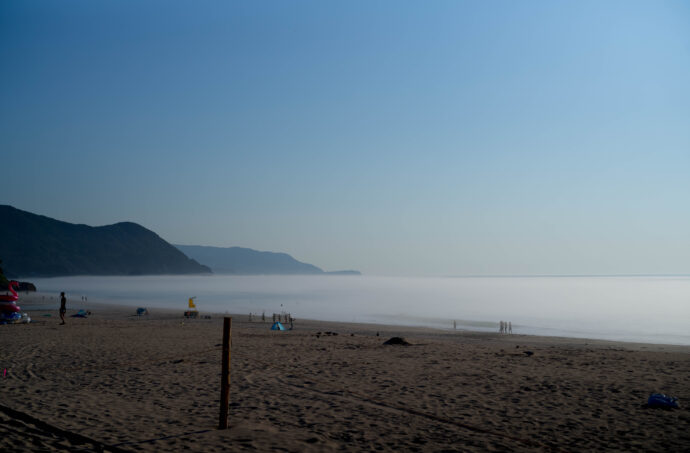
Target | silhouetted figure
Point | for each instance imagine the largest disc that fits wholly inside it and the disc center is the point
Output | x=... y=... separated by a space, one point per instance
x=63 y=307
x=510 y=327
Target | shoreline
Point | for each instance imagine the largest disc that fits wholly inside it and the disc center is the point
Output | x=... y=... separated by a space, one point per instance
x=151 y=383
x=606 y=308
x=33 y=305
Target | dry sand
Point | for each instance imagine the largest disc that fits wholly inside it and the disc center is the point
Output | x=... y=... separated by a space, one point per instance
x=121 y=383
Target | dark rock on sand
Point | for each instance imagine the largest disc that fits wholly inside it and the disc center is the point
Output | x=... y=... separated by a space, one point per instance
x=396 y=341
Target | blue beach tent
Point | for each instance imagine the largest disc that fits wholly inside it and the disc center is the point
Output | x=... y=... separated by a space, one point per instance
x=81 y=314
x=278 y=326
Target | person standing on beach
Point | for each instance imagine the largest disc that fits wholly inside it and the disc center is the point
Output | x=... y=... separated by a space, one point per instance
x=63 y=307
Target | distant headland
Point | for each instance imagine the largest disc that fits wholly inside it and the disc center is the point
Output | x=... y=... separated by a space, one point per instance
x=245 y=261
x=38 y=246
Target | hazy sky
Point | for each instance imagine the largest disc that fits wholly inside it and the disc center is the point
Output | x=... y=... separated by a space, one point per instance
x=393 y=137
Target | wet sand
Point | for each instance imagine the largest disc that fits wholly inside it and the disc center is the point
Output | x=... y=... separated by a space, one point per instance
x=119 y=382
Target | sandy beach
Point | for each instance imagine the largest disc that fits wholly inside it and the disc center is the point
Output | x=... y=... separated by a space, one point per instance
x=118 y=382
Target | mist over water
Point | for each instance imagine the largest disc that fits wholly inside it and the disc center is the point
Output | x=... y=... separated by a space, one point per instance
x=644 y=309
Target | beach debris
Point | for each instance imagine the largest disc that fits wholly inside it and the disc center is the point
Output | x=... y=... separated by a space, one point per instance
x=142 y=311
x=528 y=353
x=326 y=334
x=663 y=401
x=396 y=341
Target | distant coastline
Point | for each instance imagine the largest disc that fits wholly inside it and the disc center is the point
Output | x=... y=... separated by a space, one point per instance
x=38 y=246
x=246 y=261
x=564 y=275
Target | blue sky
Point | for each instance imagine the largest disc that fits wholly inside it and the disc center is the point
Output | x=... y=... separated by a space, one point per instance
x=397 y=138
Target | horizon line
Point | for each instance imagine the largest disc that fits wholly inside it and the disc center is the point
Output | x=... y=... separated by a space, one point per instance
x=561 y=275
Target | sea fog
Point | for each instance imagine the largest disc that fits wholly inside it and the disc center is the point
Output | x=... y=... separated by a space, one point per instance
x=639 y=309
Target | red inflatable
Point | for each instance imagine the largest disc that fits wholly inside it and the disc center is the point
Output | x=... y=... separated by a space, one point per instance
x=9 y=307
x=14 y=296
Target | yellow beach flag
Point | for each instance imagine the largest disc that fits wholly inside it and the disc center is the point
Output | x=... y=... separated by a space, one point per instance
x=191 y=303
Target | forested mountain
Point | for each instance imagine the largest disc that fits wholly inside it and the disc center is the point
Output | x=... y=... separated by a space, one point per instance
x=37 y=246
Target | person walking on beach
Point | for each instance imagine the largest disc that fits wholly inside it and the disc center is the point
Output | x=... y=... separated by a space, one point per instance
x=63 y=307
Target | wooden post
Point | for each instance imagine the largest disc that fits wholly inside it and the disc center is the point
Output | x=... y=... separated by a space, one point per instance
x=225 y=374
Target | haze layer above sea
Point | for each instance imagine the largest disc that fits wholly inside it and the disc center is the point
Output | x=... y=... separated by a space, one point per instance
x=640 y=309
